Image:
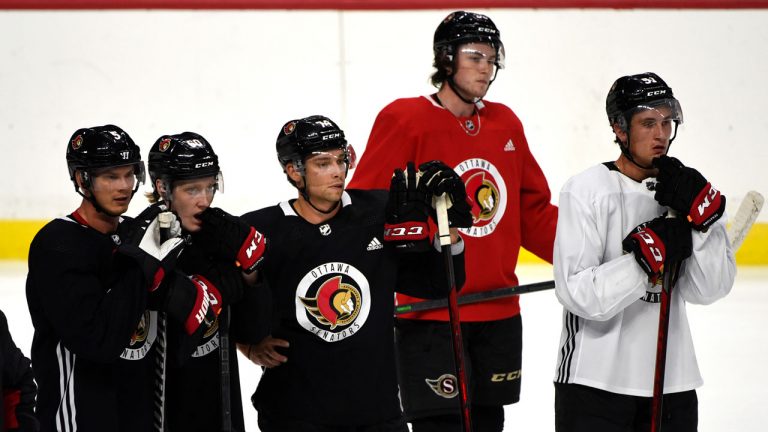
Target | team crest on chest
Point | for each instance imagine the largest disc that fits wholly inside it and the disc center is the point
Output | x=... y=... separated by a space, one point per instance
x=143 y=337
x=487 y=194
x=325 y=229
x=333 y=301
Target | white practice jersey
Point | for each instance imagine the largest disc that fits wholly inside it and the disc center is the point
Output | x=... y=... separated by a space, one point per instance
x=611 y=311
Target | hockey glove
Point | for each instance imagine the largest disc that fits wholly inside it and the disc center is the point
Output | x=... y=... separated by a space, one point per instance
x=657 y=242
x=194 y=302
x=687 y=191
x=140 y=241
x=407 y=212
x=232 y=239
x=438 y=178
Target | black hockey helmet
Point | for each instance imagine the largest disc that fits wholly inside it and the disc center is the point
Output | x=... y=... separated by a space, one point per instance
x=643 y=91
x=99 y=147
x=183 y=156
x=462 y=27
x=300 y=138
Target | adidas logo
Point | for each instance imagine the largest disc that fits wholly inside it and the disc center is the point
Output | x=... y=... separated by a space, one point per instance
x=510 y=146
x=375 y=244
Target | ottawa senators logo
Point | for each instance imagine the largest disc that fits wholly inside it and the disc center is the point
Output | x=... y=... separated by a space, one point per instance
x=164 y=144
x=487 y=195
x=333 y=301
x=77 y=142
x=143 y=337
x=336 y=303
x=445 y=386
x=289 y=128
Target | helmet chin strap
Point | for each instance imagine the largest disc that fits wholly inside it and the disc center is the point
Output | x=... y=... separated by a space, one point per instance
x=627 y=154
x=458 y=92
x=305 y=195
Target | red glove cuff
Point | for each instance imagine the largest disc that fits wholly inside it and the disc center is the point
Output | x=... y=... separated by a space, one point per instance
x=652 y=250
x=207 y=304
x=407 y=231
x=706 y=208
x=252 y=251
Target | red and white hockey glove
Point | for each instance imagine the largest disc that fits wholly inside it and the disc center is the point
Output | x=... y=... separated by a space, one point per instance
x=232 y=238
x=688 y=192
x=407 y=212
x=659 y=241
x=194 y=302
x=140 y=240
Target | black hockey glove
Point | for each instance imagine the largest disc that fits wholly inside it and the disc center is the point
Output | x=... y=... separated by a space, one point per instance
x=407 y=212
x=193 y=301
x=139 y=239
x=231 y=238
x=658 y=242
x=437 y=179
x=685 y=190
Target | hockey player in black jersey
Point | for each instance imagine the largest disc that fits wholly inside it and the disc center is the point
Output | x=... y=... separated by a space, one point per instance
x=92 y=279
x=332 y=271
x=17 y=411
x=185 y=176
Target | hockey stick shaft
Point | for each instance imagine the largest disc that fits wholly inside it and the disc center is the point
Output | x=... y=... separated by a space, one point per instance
x=226 y=401
x=475 y=297
x=164 y=222
x=453 y=312
x=668 y=283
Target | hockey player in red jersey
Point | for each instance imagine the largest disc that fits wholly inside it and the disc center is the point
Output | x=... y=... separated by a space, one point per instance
x=202 y=391
x=332 y=270
x=485 y=144
x=95 y=283
x=613 y=244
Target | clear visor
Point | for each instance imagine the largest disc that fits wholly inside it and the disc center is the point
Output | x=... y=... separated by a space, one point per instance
x=668 y=109
x=475 y=55
x=324 y=161
x=201 y=187
x=117 y=178
x=662 y=116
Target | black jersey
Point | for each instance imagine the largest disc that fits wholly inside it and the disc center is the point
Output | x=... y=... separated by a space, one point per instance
x=193 y=376
x=92 y=352
x=333 y=290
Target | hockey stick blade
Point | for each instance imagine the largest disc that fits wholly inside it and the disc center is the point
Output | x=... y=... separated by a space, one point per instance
x=745 y=217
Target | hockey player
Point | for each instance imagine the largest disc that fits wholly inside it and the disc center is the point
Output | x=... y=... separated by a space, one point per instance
x=91 y=280
x=612 y=244
x=185 y=176
x=333 y=270
x=485 y=143
x=17 y=413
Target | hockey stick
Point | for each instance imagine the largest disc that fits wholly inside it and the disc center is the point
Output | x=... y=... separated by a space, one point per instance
x=746 y=215
x=475 y=297
x=742 y=222
x=668 y=283
x=441 y=207
x=226 y=401
x=164 y=222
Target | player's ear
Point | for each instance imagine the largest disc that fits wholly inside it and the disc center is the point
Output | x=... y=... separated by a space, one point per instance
x=293 y=173
x=620 y=133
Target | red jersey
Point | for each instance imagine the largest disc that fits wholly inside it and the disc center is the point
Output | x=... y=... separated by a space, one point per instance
x=509 y=194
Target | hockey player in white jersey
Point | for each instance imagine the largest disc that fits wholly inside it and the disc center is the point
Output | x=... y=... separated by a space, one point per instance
x=612 y=241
